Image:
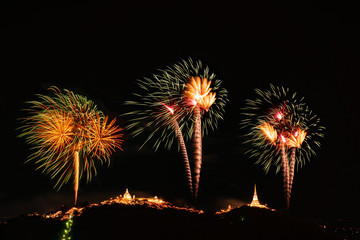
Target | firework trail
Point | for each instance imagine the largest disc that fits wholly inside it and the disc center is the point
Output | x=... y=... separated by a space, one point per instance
x=305 y=138
x=76 y=173
x=67 y=133
x=183 y=151
x=294 y=142
x=198 y=93
x=282 y=132
x=197 y=149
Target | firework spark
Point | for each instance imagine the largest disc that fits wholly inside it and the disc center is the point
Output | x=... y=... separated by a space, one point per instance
x=169 y=108
x=183 y=150
x=67 y=133
x=278 y=117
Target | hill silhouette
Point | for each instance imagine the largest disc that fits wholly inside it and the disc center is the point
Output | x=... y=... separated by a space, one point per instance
x=148 y=220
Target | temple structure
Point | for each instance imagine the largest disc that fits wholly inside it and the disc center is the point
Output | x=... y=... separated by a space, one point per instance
x=255 y=201
x=127 y=195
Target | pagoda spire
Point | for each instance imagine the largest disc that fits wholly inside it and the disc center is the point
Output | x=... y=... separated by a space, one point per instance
x=127 y=195
x=255 y=201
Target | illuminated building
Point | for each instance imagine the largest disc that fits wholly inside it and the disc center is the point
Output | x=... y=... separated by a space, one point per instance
x=255 y=201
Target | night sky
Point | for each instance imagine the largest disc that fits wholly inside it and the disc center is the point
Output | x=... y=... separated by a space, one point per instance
x=99 y=50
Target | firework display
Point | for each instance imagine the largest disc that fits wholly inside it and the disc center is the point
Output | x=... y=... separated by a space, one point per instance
x=68 y=135
x=282 y=132
x=183 y=101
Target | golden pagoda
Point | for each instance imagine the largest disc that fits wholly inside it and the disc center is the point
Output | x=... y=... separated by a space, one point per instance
x=127 y=195
x=255 y=201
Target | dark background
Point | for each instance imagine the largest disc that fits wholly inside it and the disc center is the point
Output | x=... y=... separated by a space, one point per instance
x=99 y=50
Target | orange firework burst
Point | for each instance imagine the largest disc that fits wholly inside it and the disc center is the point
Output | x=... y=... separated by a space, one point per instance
x=208 y=100
x=296 y=139
x=67 y=132
x=269 y=132
x=198 y=92
x=197 y=88
x=55 y=130
x=104 y=138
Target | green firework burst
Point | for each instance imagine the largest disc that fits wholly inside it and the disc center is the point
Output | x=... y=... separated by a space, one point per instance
x=167 y=87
